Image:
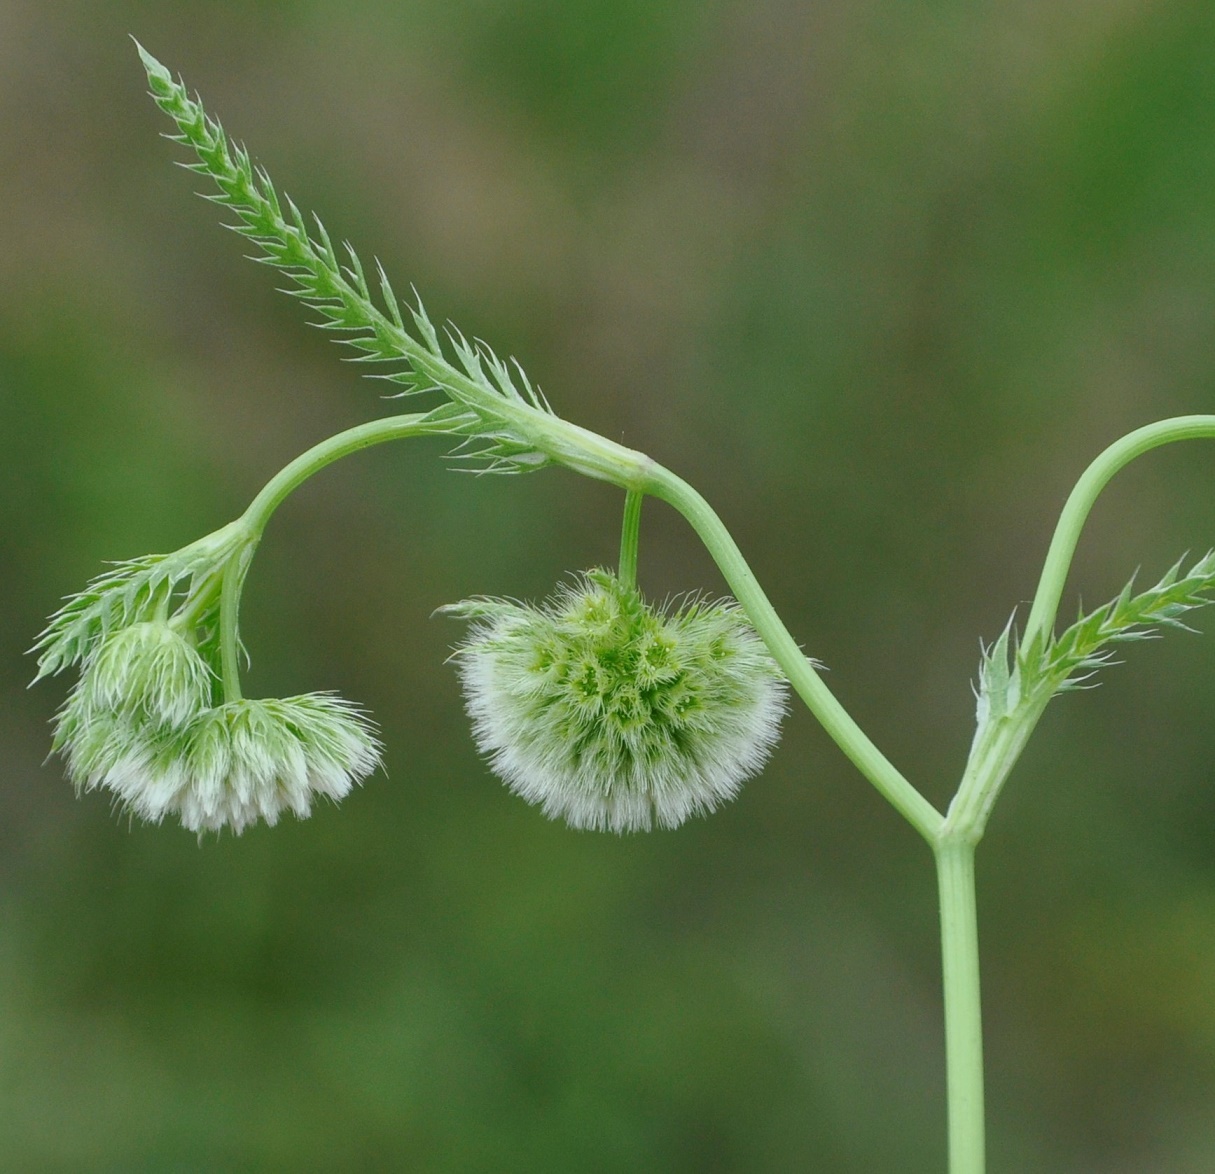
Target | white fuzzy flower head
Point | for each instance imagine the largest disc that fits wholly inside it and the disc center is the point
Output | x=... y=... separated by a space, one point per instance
x=142 y=722
x=229 y=767
x=613 y=715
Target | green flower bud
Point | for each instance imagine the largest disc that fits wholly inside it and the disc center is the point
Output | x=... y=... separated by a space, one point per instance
x=138 y=590
x=149 y=668
x=613 y=715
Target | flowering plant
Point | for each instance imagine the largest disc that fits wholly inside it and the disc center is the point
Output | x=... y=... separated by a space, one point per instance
x=599 y=707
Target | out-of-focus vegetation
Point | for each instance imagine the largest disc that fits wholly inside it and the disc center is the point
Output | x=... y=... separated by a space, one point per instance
x=879 y=279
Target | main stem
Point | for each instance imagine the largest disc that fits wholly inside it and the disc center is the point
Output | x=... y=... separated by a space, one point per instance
x=991 y=760
x=952 y=846
x=963 y=1014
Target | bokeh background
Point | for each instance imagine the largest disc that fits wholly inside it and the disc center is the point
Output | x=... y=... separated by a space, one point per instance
x=879 y=278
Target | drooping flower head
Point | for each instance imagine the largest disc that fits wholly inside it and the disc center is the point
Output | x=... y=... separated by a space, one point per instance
x=612 y=714
x=145 y=723
x=233 y=765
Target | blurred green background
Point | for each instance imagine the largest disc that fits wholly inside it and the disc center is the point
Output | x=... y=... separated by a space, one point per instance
x=879 y=278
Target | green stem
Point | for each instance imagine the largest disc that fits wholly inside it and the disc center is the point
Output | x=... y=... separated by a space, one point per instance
x=871 y=762
x=268 y=500
x=316 y=458
x=992 y=757
x=1041 y=620
x=630 y=532
x=963 y=1014
x=229 y=621
x=197 y=606
x=997 y=748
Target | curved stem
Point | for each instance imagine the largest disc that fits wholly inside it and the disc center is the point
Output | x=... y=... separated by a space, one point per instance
x=630 y=533
x=316 y=458
x=992 y=756
x=268 y=500
x=1041 y=620
x=871 y=762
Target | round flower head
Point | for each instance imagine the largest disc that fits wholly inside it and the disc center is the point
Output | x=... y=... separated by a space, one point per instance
x=92 y=740
x=613 y=715
x=232 y=765
x=150 y=668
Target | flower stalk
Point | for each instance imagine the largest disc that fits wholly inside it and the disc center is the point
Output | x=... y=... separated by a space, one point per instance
x=630 y=534
x=798 y=668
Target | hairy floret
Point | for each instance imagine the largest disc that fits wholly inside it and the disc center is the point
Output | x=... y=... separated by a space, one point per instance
x=140 y=589
x=150 y=669
x=612 y=714
x=231 y=766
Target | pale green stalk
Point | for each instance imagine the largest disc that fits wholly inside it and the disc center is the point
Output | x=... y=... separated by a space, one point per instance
x=954 y=855
x=630 y=533
x=871 y=762
x=955 y=837
x=963 y=1013
x=229 y=622
x=254 y=520
x=316 y=458
x=990 y=762
x=1080 y=501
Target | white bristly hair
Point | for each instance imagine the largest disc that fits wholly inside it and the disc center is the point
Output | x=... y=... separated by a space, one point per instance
x=614 y=716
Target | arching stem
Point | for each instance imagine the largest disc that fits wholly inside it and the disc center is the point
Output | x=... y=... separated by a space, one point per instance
x=990 y=761
x=254 y=520
x=1041 y=620
x=292 y=476
x=871 y=762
